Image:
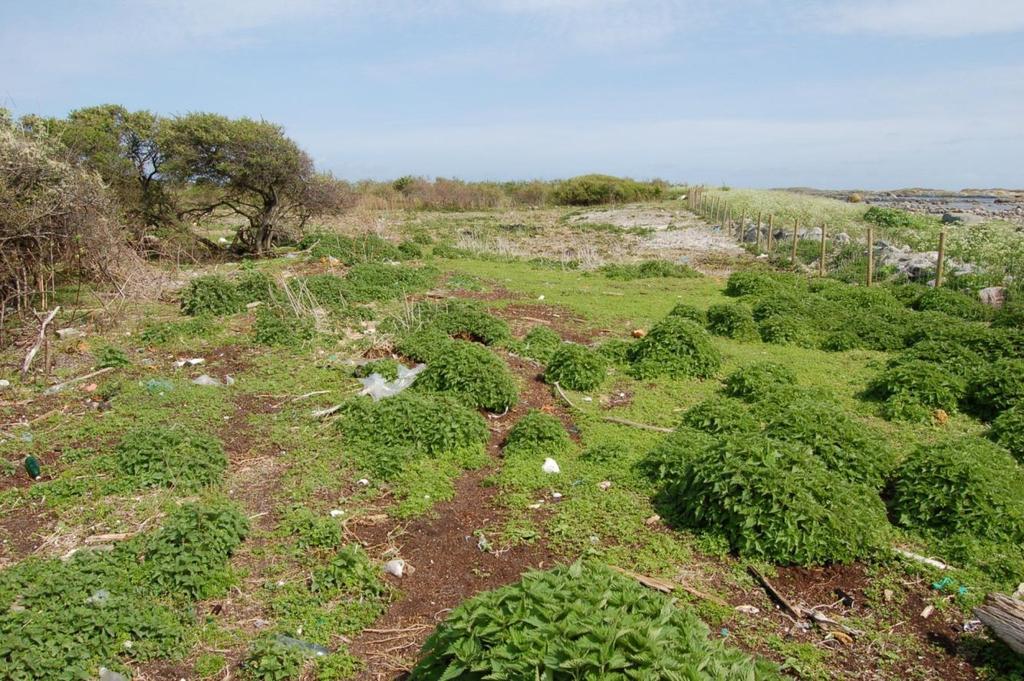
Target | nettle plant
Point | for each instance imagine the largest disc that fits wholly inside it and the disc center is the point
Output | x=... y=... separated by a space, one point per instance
x=996 y=388
x=1008 y=431
x=755 y=382
x=912 y=389
x=280 y=326
x=676 y=348
x=211 y=294
x=535 y=432
x=464 y=319
x=540 y=343
x=732 y=321
x=156 y=456
x=472 y=374
x=576 y=367
x=720 y=415
x=744 y=489
x=583 y=621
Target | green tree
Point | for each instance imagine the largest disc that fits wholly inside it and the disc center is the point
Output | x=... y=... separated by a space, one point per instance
x=243 y=167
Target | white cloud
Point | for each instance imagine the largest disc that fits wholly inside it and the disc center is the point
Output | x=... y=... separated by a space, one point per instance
x=922 y=18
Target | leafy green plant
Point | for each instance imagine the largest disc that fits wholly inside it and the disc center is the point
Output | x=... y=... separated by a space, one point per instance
x=667 y=461
x=310 y=530
x=694 y=314
x=732 y=321
x=269 y=659
x=745 y=488
x=1008 y=431
x=386 y=367
x=536 y=431
x=674 y=347
x=255 y=285
x=616 y=351
x=996 y=388
x=371 y=281
x=211 y=294
x=350 y=250
x=967 y=485
x=110 y=357
x=787 y=330
x=720 y=415
x=578 y=622
x=156 y=456
x=280 y=326
x=471 y=374
x=590 y=190
x=349 y=571
x=540 y=343
x=647 y=269
x=760 y=282
x=912 y=389
x=576 y=367
x=464 y=319
x=757 y=381
x=166 y=333
x=953 y=303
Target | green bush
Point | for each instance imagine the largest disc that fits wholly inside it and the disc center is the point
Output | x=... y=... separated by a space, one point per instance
x=582 y=621
x=110 y=357
x=328 y=290
x=423 y=345
x=472 y=374
x=576 y=368
x=913 y=389
x=536 y=431
x=269 y=659
x=677 y=348
x=350 y=250
x=995 y=388
x=953 y=303
x=720 y=415
x=540 y=344
x=616 y=351
x=590 y=190
x=410 y=250
x=755 y=382
x=667 y=461
x=759 y=283
x=465 y=319
x=732 y=321
x=210 y=294
x=745 y=489
x=647 y=269
x=255 y=285
x=787 y=330
x=846 y=447
x=890 y=218
x=962 y=486
x=309 y=530
x=386 y=367
x=349 y=571
x=155 y=456
x=279 y=326
x=1008 y=431
x=368 y=282
x=1010 y=316
x=841 y=341
x=428 y=424
x=955 y=359
x=690 y=312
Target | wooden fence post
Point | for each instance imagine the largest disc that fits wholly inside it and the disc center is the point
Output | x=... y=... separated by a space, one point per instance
x=871 y=255
x=771 y=231
x=757 y=236
x=821 y=257
x=940 y=261
x=796 y=230
x=740 y=227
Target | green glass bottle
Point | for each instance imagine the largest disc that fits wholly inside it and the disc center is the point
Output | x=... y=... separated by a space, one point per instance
x=32 y=466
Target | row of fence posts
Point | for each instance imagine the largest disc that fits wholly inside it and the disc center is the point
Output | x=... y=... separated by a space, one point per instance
x=715 y=209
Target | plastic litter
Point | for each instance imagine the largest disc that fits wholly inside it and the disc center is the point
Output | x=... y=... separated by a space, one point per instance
x=193 y=361
x=4 y=383
x=32 y=467
x=377 y=387
x=604 y=485
x=304 y=646
x=109 y=675
x=99 y=597
x=337 y=513
x=158 y=386
x=747 y=609
x=363 y=482
x=556 y=495
x=395 y=566
x=550 y=466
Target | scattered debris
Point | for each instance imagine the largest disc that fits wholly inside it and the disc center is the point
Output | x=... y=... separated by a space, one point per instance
x=932 y=562
x=747 y=609
x=194 y=361
x=337 y=513
x=556 y=495
x=4 y=383
x=927 y=612
x=888 y=595
x=653 y=520
x=70 y=332
x=208 y=380
x=667 y=587
x=395 y=567
x=108 y=675
x=604 y=485
x=53 y=389
x=377 y=387
x=32 y=467
x=305 y=646
x=363 y=482
x=639 y=333
x=550 y=466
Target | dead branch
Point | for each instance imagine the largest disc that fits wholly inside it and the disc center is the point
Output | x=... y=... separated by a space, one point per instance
x=634 y=424
x=667 y=587
x=931 y=562
x=1005 y=617
x=60 y=386
x=40 y=339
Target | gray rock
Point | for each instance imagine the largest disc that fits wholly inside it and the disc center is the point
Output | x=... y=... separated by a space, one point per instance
x=993 y=296
x=842 y=238
x=950 y=219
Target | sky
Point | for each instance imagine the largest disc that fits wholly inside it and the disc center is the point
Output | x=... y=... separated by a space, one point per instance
x=866 y=94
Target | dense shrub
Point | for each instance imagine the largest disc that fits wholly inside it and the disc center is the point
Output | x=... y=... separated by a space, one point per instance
x=953 y=303
x=869 y=331
x=647 y=269
x=995 y=388
x=667 y=461
x=746 y=489
x=410 y=250
x=350 y=250
x=841 y=341
x=908 y=294
x=540 y=344
x=720 y=415
x=472 y=374
x=464 y=318
x=913 y=389
x=386 y=367
x=732 y=321
x=889 y=217
x=155 y=456
x=536 y=431
x=846 y=447
x=582 y=621
x=255 y=285
x=423 y=345
x=951 y=357
x=211 y=294
x=367 y=282
x=756 y=381
x=759 y=283
x=277 y=325
x=690 y=312
x=576 y=367
x=590 y=190
x=677 y=348
x=1010 y=316
x=1008 y=431
x=616 y=351
x=967 y=485
x=787 y=330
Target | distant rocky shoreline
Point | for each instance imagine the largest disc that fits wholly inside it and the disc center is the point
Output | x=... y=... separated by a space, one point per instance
x=969 y=206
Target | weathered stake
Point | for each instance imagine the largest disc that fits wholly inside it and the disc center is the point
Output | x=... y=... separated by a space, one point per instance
x=757 y=236
x=771 y=231
x=821 y=258
x=941 y=261
x=871 y=255
x=792 y=253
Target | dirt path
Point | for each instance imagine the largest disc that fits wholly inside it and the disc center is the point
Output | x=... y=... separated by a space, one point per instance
x=449 y=566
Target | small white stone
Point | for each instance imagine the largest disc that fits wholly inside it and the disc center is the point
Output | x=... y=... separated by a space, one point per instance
x=550 y=466
x=556 y=495
x=337 y=513
x=604 y=485
x=747 y=609
x=540 y=297
x=395 y=567
x=363 y=482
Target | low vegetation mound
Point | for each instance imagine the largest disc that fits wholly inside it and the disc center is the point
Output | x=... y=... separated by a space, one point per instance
x=996 y=388
x=280 y=326
x=592 y=190
x=647 y=269
x=911 y=390
x=685 y=311
x=255 y=285
x=178 y=457
x=537 y=431
x=755 y=382
x=676 y=348
x=744 y=489
x=785 y=329
x=472 y=374
x=963 y=486
x=576 y=367
x=464 y=319
x=953 y=303
x=759 y=283
x=667 y=461
x=350 y=250
x=1008 y=431
x=540 y=343
x=721 y=415
x=372 y=281
x=211 y=294
x=581 y=621
x=732 y=321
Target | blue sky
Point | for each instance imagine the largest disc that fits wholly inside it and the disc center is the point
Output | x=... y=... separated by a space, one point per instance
x=872 y=94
